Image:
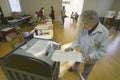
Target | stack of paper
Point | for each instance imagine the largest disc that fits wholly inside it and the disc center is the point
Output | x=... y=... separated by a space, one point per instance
x=49 y=36
x=47 y=31
x=39 y=48
x=42 y=27
x=59 y=55
x=7 y=29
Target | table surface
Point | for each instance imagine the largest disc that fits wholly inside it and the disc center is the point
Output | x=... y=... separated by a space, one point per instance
x=45 y=31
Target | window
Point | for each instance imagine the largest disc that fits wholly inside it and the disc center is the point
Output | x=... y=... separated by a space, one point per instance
x=15 y=5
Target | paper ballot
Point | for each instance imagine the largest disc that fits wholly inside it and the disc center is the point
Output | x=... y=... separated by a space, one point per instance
x=39 y=47
x=59 y=55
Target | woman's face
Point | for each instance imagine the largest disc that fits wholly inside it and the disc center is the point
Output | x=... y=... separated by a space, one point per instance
x=88 y=25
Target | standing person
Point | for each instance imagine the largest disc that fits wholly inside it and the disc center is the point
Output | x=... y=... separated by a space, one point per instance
x=52 y=14
x=76 y=17
x=36 y=17
x=73 y=16
x=0 y=15
x=41 y=14
x=63 y=14
x=92 y=39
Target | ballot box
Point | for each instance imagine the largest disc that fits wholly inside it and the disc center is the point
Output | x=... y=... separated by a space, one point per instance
x=32 y=61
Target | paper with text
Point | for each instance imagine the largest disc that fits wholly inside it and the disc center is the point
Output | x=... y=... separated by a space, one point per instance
x=42 y=27
x=38 y=47
x=60 y=55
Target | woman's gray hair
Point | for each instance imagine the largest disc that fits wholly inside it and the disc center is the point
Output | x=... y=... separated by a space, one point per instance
x=89 y=15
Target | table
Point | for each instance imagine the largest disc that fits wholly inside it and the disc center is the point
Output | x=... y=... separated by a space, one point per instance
x=6 y=31
x=18 y=20
x=45 y=31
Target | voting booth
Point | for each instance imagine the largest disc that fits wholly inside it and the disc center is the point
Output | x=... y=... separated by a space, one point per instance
x=109 y=18
x=32 y=61
x=117 y=21
x=118 y=16
x=109 y=14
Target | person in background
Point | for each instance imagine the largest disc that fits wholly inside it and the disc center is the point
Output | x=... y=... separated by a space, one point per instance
x=52 y=14
x=92 y=39
x=36 y=17
x=0 y=15
x=63 y=14
x=76 y=17
x=41 y=14
x=73 y=16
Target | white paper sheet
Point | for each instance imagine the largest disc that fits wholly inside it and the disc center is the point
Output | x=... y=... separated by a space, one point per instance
x=39 y=47
x=23 y=47
x=59 y=55
x=49 y=36
x=7 y=29
x=47 y=31
x=42 y=27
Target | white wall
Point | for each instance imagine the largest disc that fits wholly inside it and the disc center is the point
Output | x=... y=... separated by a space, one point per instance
x=74 y=6
x=99 y=5
x=5 y=7
x=31 y=6
x=116 y=6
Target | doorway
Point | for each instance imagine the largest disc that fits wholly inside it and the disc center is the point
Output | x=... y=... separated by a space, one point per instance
x=73 y=6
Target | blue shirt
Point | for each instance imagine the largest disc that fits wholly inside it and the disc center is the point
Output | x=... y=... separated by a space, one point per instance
x=88 y=42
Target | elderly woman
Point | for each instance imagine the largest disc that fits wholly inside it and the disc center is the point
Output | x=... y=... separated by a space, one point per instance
x=92 y=40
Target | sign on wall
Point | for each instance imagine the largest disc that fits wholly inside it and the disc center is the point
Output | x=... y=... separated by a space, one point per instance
x=109 y=14
x=118 y=16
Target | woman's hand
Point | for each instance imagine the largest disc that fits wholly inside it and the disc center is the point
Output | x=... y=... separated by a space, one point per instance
x=68 y=49
x=86 y=58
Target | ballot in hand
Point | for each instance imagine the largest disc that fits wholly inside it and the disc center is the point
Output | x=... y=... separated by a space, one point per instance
x=86 y=59
x=68 y=49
